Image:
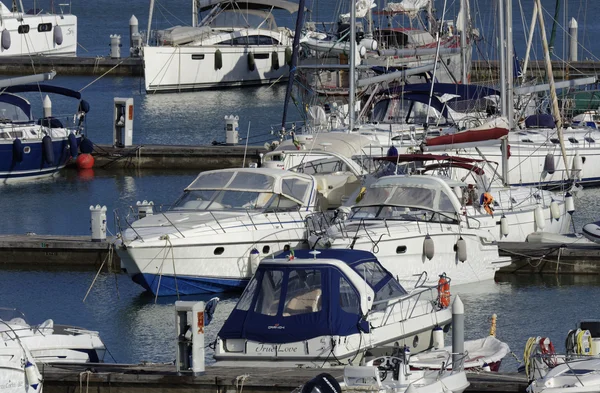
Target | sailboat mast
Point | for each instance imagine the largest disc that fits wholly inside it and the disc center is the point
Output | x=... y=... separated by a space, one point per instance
x=553 y=96
x=510 y=106
x=501 y=43
x=464 y=7
x=149 y=22
x=194 y=13
x=352 y=81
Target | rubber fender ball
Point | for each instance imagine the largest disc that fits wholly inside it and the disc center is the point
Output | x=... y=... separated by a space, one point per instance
x=48 y=151
x=218 y=60
x=392 y=152
x=58 y=36
x=428 y=247
x=17 y=150
x=73 y=148
x=251 y=62
x=85 y=161
x=86 y=146
x=274 y=60
x=5 y=39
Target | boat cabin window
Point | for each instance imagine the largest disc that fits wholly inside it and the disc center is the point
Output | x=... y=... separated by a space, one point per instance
x=349 y=301
x=44 y=27
x=269 y=294
x=589 y=139
x=573 y=140
x=391 y=38
x=392 y=110
x=23 y=29
x=251 y=40
x=556 y=141
x=303 y=292
x=248 y=295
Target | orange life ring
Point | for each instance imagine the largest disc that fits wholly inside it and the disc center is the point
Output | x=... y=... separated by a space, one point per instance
x=444 y=291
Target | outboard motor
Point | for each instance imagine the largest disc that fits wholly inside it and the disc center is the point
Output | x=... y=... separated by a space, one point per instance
x=322 y=383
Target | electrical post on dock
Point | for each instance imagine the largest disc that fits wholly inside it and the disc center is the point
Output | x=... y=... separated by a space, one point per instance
x=189 y=320
x=123 y=122
x=98 y=223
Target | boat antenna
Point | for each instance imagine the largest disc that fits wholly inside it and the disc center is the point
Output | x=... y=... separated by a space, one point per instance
x=294 y=61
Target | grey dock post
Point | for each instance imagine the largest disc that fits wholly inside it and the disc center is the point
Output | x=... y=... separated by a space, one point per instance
x=573 y=27
x=458 y=333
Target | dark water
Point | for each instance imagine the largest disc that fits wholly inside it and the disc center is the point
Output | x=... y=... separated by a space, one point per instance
x=132 y=325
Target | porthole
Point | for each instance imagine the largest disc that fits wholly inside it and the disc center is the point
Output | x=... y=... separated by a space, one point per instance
x=26 y=149
x=400 y=249
x=415 y=341
x=23 y=29
x=266 y=249
x=219 y=250
x=197 y=57
x=573 y=140
x=44 y=27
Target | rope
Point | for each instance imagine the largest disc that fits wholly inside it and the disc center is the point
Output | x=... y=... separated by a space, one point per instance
x=87 y=374
x=108 y=257
x=239 y=382
x=100 y=77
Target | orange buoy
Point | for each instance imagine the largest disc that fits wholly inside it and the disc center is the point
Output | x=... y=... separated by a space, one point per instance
x=85 y=161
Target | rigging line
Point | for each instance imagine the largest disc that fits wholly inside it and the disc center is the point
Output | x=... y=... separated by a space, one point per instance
x=101 y=76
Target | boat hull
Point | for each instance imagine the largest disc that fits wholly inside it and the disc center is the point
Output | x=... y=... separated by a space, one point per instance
x=193 y=67
x=33 y=165
x=37 y=42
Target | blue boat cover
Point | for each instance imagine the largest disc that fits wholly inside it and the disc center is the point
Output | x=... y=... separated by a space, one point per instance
x=540 y=120
x=334 y=317
x=466 y=92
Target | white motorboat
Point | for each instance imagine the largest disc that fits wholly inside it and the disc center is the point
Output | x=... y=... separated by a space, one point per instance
x=213 y=237
x=37 y=32
x=479 y=354
x=573 y=376
x=388 y=374
x=326 y=308
x=238 y=43
x=18 y=370
x=50 y=343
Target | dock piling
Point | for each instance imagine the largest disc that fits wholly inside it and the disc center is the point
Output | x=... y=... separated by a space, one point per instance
x=458 y=333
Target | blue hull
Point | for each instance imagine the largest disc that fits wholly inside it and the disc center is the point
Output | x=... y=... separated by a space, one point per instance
x=187 y=285
x=33 y=163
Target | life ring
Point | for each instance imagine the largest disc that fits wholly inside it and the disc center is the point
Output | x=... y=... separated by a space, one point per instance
x=443 y=291
x=487 y=200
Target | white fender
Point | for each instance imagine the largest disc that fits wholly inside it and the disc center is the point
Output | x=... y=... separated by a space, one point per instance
x=577 y=167
x=34 y=378
x=504 y=226
x=461 y=249
x=538 y=215
x=428 y=247
x=555 y=210
x=569 y=203
x=254 y=260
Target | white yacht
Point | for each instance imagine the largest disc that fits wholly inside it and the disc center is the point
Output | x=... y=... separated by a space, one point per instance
x=31 y=32
x=213 y=237
x=49 y=342
x=237 y=43
x=326 y=308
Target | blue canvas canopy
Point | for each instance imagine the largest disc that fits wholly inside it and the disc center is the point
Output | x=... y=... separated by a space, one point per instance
x=540 y=120
x=280 y=302
x=83 y=105
x=466 y=92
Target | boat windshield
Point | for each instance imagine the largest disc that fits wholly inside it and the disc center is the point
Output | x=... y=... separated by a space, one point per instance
x=209 y=200
x=382 y=282
x=244 y=19
x=243 y=190
x=405 y=202
x=404 y=111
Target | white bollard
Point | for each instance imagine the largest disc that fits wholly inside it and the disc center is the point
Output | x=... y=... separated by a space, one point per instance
x=98 y=223
x=115 y=46
x=145 y=208
x=133 y=32
x=458 y=333
x=573 y=27
x=232 y=130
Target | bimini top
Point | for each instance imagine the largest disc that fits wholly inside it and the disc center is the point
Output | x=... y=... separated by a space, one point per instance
x=296 y=186
x=342 y=143
x=330 y=292
x=250 y=4
x=417 y=191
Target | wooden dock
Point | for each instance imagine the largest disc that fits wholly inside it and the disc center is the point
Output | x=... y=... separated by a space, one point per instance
x=156 y=378
x=176 y=157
